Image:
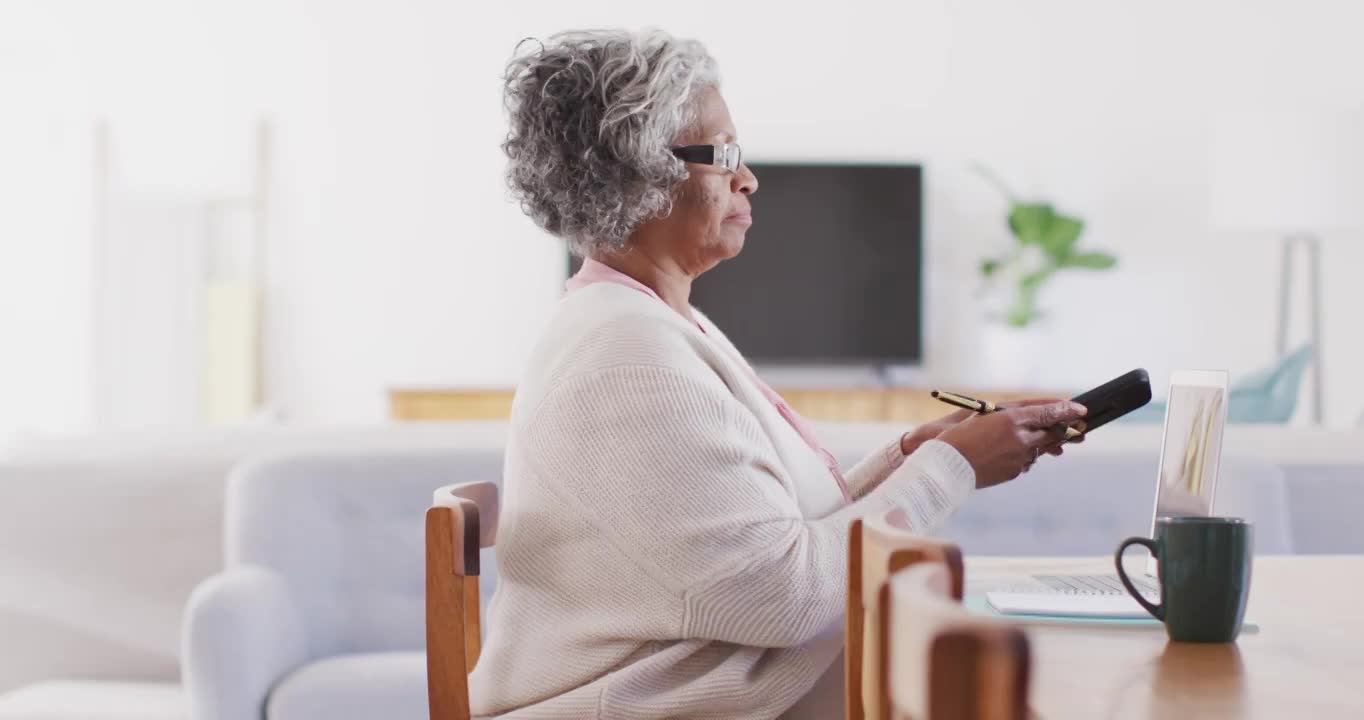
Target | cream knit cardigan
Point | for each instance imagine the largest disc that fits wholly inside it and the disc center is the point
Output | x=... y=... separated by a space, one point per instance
x=669 y=546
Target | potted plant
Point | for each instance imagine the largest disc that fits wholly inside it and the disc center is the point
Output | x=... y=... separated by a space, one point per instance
x=1046 y=242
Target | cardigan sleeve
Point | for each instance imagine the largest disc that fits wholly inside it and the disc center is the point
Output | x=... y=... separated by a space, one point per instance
x=680 y=476
x=872 y=470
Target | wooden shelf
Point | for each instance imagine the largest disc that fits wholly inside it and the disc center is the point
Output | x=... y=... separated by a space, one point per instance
x=451 y=404
x=912 y=405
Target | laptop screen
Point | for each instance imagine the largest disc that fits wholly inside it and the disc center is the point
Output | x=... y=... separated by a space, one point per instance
x=1192 y=448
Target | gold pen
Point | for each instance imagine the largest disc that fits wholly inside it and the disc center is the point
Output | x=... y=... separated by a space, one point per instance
x=985 y=407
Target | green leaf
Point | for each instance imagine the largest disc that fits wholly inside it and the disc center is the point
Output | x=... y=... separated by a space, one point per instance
x=1090 y=260
x=988 y=267
x=1029 y=221
x=1060 y=236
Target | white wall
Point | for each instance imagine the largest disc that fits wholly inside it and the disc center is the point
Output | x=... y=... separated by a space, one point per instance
x=44 y=229
x=399 y=261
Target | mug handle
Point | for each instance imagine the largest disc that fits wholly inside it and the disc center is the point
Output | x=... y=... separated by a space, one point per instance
x=1157 y=610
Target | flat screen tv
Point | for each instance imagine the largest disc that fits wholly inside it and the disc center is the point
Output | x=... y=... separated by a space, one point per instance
x=830 y=270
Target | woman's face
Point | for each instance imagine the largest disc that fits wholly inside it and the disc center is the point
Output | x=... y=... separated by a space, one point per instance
x=711 y=213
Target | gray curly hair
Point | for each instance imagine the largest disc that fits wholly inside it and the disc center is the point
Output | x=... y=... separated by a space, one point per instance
x=593 y=114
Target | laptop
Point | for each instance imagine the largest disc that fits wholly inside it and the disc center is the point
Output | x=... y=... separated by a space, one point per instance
x=1186 y=485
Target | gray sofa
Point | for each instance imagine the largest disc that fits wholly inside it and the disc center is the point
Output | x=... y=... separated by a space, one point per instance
x=320 y=611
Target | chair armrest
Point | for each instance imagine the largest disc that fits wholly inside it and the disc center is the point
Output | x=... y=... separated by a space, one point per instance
x=242 y=632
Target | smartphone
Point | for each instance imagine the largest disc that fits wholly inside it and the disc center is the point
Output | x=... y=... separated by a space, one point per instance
x=1113 y=399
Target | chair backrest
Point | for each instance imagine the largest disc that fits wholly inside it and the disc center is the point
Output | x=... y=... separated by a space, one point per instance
x=879 y=545
x=461 y=521
x=947 y=663
x=1270 y=395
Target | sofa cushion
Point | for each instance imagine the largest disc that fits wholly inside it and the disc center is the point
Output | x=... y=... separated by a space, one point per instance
x=1085 y=505
x=75 y=700
x=1324 y=502
x=362 y=686
x=344 y=529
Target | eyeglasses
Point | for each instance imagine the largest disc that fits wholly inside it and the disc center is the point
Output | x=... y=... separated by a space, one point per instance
x=727 y=155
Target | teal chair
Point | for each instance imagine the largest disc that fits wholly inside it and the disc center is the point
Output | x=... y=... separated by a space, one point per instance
x=1265 y=396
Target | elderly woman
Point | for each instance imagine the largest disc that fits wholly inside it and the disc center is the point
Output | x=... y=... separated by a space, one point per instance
x=673 y=536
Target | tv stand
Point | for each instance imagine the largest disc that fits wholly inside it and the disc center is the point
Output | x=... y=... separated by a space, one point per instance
x=899 y=404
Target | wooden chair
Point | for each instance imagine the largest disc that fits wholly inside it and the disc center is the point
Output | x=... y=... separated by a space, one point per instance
x=461 y=521
x=878 y=546
x=947 y=663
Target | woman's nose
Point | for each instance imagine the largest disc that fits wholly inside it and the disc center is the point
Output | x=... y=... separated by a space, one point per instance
x=745 y=181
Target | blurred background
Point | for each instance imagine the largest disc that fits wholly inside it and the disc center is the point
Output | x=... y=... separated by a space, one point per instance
x=227 y=223
x=325 y=180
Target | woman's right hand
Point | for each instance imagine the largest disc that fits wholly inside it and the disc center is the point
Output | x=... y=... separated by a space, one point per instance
x=1001 y=445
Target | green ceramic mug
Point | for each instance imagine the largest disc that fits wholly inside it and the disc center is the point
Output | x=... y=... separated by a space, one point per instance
x=1204 y=573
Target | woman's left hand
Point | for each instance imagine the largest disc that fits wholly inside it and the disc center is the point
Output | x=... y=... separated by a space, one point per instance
x=910 y=441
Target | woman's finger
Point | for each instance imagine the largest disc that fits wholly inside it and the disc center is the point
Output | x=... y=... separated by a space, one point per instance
x=1043 y=438
x=1033 y=401
x=956 y=417
x=1048 y=416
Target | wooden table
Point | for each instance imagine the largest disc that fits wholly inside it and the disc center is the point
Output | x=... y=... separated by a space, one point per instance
x=1307 y=660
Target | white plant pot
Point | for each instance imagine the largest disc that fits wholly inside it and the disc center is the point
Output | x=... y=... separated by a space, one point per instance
x=1013 y=358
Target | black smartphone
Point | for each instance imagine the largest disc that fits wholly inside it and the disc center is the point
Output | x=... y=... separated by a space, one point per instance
x=1113 y=399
